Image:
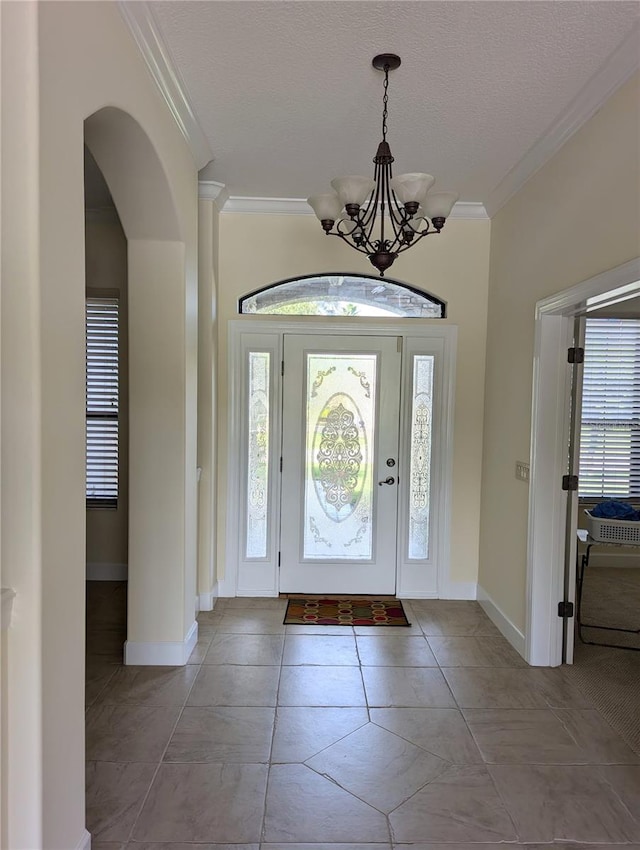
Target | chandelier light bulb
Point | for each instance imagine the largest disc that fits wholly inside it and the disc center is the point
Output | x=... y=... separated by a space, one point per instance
x=385 y=215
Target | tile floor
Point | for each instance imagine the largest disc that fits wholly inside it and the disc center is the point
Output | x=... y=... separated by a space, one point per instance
x=278 y=737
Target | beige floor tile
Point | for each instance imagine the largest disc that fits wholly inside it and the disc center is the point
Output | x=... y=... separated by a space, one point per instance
x=555 y=685
x=485 y=651
x=302 y=732
x=412 y=630
x=522 y=736
x=457 y=846
x=303 y=806
x=97 y=675
x=253 y=603
x=115 y=793
x=484 y=687
x=441 y=731
x=330 y=650
x=460 y=805
x=222 y=803
x=406 y=687
x=106 y=845
x=172 y=845
x=313 y=846
x=245 y=621
x=592 y=732
x=247 y=685
x=260 y=650
x=378 y=767
x=559 y=802
x=161 y=686
x=222 y=734
x=625 y=781
x=395 y=651
x=328 y=686
x=128 y=733
x=464 y=620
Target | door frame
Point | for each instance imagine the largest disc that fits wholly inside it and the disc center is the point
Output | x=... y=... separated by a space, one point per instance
x=549 y=440
x=442 y=470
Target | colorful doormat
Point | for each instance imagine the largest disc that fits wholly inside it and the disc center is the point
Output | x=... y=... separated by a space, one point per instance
x=340 y=611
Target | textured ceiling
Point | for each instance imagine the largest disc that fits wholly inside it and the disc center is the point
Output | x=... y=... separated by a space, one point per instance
x=287 y=97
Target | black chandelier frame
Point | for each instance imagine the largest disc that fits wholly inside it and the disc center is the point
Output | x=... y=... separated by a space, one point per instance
x=405 y=228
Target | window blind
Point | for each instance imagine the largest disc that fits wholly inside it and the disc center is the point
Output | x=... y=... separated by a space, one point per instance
x=102 y=401
x=610 y=427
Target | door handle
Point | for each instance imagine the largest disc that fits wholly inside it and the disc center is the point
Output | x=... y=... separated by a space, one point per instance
x=389 y=480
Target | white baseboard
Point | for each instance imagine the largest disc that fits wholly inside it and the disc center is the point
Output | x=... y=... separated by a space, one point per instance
x=107 y=572
x=85 y=841
x=161 y=653
x=207 y=601
x=500 y=619
x=459 y=590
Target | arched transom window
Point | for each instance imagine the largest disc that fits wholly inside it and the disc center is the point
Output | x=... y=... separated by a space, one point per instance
x=343 y=295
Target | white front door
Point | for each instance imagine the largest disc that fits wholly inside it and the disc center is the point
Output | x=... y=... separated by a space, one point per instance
x=339 y=504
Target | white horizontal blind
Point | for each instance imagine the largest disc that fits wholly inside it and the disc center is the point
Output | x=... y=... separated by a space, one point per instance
x=102 y=401
x=610 y=429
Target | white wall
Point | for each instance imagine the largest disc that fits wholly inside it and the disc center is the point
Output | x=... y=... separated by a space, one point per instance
x=577 y=217
x=61 y=63
x=106 y=268
x=256 y=250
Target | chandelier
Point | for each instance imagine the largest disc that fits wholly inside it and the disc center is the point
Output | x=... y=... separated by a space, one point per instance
x=387 y=215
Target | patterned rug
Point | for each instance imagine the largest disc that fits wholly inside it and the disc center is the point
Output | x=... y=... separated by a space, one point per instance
x=341 y=611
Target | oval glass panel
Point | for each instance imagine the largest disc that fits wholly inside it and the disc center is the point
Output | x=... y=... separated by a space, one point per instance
x=339 y=457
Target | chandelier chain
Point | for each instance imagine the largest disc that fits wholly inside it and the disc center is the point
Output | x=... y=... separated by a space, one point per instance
x=385 y=101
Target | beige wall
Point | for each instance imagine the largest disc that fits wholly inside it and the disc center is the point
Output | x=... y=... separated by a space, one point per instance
x=61 y=63
x=577 y=217
x=256 y=250
x=106 y=268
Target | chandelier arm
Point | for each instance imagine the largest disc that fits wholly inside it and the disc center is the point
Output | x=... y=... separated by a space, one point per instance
x=362 y=249
x=406 y=245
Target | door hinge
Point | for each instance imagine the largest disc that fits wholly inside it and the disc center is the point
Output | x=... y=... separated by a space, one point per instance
x=278 y=558
x=280 y=464
x=282 y=369
x=565 y=609
x=575 y=355
x=569 y=482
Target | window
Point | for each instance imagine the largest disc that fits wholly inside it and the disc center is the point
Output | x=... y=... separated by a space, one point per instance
x=610 y=428
x=102 y=401
x=343 y=295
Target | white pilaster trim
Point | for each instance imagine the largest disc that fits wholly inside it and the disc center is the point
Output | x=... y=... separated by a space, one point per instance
x=207 y=601
x=501 y=621
x=161 y=653
x=612 y=74
x=299 y=206
x=85 y=841
x=146 y=34
x=211 y=190
x=7 y=596
x=99 y=571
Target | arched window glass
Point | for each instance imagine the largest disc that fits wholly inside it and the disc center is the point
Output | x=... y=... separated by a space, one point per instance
x=343 y=295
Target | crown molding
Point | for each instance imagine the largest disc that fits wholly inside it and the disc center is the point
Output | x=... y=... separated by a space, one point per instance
x=614 y=72
x=139 y=19
x=298 y=206
x=211 y=190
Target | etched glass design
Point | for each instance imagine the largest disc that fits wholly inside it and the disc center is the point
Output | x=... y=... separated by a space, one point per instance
x=420 y=465
x=344 y=295
x=339 y=440
x=258 y=455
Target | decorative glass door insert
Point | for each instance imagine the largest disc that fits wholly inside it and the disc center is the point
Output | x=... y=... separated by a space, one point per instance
x=340 y=450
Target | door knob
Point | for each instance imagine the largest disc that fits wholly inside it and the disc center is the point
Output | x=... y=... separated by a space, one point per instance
x=389 y=480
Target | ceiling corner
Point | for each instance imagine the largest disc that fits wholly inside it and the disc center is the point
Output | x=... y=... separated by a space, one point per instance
x=613 y=73
x=139 y=19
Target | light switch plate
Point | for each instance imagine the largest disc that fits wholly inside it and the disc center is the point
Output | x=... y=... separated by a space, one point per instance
x=522 y=470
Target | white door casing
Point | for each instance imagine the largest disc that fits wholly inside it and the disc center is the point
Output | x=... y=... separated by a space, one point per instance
x=257 y=573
